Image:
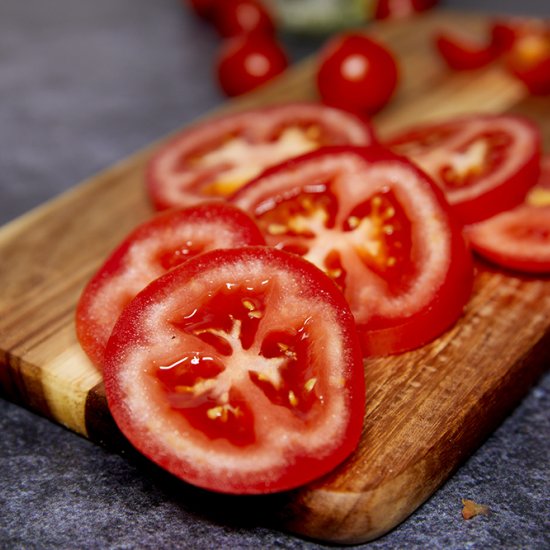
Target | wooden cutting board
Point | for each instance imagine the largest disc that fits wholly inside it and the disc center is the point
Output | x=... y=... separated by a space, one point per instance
x=426 y=411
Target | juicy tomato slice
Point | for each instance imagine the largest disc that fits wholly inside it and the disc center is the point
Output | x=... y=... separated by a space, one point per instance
x=399 y=9
x=150 y=250
x=356 y=73
x=248 y=61
x=216 y=157
x=252 y=379
x=483 y=163
x=380 y=229
x=519 y=239
x=461 y=54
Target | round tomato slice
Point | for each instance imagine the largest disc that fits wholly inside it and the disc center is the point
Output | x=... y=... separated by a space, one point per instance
x=239 y=371
x=380 y=229
x=217 y=156
x=519 y=238
x=483 y=163
x=150 y=250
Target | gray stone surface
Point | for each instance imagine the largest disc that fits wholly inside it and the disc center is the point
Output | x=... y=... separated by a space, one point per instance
x=83 y=84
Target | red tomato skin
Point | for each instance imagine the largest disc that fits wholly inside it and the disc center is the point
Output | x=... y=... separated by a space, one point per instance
x=129 y=330
x=533 y=68
x=461 y=55
x=356 y=73
x=338 y=127
x=503 y=35
x=92 y=328
x=236 y=17
x=511 y=191
x=382 y=336
x=246 y=62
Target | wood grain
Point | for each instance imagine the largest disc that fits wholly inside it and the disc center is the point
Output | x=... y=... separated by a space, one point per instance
x=427 y=410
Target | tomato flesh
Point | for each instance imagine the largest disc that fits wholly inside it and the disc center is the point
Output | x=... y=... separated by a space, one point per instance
x=462 y=55
x=252 y=379
x=484 y=164
x=215 y=158
x=157 y=245
x=377 y=227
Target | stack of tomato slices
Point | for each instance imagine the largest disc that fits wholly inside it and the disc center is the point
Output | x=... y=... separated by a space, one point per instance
x=231 y=331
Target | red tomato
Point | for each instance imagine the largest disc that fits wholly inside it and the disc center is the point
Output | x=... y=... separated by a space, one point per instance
x=150 y=250
x=236 y=17
x=503 y=35
x=398 y=9
x=484 y=163
x=248 y=61
x=461 y=54
x=380 y=229
x=218 y=156
x=250 y=382
x=529 y=60
x=356 y=73
x=519 y=238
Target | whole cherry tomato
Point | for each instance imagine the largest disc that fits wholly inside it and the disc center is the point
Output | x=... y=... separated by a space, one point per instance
x=245 y=62
x=235 y=17
x=356 y=73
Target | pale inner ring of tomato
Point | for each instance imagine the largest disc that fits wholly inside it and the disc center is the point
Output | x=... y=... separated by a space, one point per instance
x=277 y=428
x=353 y=181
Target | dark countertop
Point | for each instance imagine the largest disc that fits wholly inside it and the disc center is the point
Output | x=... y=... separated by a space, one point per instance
x=83 y=84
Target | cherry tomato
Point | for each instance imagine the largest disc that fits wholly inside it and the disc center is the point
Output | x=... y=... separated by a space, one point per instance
x=250 y=382
x=398 y=9
x=380 y=229
x=461 y=54
x=356 y=73
x=151 y=249
x=529 y=60
x=503 y=35
x=236 y=17
x=218 y=156
x=519 y=238
x=484 y=163
x=248 y=61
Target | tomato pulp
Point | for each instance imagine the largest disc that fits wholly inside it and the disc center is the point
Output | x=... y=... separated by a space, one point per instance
x=252 y=379
x=380 y=229
x=154 y=247
x=216 y=157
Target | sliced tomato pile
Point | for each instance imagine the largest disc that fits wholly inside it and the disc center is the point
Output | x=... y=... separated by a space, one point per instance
x=380 y=229
x=231 y=336
x=483 y=163
x=150 y=250
x=214 y=158
x=519 y=238
x=238 y=371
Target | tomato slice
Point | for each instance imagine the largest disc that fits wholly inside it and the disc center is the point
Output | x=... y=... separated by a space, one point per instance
x=399 y=9
x=251 y=380
x=529 y=59
x=217 y=156
x=519 y=239
x=461 y=54
x=154 y=247
x=380 y=229
x=483 y=163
